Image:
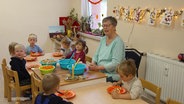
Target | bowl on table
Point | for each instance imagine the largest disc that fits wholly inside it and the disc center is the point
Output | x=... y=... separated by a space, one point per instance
x=78 y=70
x=48 y=62
x=65 y=62
x=46 y=69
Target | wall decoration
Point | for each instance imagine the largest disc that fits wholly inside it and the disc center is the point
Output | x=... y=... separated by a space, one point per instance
x=152 y=17
x=167 y=17
x=94 y=2
x=56 y=31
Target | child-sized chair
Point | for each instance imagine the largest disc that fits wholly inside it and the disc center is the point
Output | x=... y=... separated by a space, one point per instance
x=4 y=64
x=14 y=84
x=171 y=101
x=36 y=86
x=152 y=87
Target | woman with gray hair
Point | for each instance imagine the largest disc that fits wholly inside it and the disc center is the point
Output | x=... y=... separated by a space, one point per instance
x=110 y=52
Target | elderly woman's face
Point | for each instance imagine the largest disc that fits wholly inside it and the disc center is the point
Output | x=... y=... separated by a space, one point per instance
x=108 y=28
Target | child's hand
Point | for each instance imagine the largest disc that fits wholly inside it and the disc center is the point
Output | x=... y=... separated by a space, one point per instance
x=115 y=83
x=115 y=94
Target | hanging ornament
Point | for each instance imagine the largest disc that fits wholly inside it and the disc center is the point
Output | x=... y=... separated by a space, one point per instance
x=126 y=14
x=92 y=2
x=152 y=17
x=96 y=16
x=167 y=18
x=182 y=20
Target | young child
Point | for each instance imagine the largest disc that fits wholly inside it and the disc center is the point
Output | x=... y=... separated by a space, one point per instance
x=133 y=86
x=65 y=45
x=48 y=96
x=32 y=39
x=80 y=51
x=18 y=63
x=12 y=48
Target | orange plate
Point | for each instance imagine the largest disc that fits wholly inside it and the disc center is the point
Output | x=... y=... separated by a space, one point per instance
x=111 y=88
x=36 y=54
x=67 y=94
x=57 y=54
x=28 y=58
x=33 y=66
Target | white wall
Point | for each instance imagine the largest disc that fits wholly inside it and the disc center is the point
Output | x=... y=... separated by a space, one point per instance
x=18 y=18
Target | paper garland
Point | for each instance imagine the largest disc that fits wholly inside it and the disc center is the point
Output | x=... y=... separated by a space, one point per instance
x=92 y=2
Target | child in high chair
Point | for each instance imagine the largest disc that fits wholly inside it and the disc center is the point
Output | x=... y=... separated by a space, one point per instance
x=133 y=86
x=32 y=39
x=18 y=63
x=48 y=96
x=65 y=46
x=80 y=51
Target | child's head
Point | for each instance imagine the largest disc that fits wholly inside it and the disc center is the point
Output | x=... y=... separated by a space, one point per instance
x=12 y=48
x=127 y=70
x=80 y=45
x=65 y=42
x=19 y=51
x=50 y=83
x=32 y=39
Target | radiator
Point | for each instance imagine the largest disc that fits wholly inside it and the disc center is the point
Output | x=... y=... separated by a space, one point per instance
x=167 y=74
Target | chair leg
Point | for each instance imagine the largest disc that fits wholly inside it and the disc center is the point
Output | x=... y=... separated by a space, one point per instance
x=18 y=96
x=9 y=94
x=5 y=90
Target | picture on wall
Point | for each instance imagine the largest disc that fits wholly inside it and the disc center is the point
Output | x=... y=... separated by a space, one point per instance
x=56 y=30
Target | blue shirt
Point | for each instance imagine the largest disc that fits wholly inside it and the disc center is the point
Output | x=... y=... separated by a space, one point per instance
x=110 y=56
x=35 y=48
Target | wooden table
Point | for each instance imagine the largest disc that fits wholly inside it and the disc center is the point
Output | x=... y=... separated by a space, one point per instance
x=97 y=94
x=88 y=78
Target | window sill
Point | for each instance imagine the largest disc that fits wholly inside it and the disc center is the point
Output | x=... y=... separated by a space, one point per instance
x=90 y=36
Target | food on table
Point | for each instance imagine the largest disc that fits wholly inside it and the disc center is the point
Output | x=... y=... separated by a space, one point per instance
x=35 y=54
x=46 y=69
x=28 y=58
x=57 y=54
x=120 y=90
x=67 y=94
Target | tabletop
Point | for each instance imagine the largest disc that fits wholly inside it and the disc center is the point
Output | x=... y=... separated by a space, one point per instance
x=89 y=77
x=97 y=94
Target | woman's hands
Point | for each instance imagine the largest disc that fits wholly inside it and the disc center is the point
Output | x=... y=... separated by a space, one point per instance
x=93 y=67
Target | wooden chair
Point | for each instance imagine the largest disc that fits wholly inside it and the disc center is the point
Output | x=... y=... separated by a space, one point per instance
x=131 y=53
x=88 y=59
x=14 y=84
x=152 y=87
x=171 y=101
x=4 y=64
x=36 y=86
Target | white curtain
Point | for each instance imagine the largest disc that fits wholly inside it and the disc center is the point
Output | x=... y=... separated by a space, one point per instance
x=85 y=8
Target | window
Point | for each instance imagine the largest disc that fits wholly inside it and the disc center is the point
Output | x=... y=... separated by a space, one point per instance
x=96 y=11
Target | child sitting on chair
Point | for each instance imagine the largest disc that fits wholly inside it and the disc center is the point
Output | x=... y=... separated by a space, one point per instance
x=133 y=86
x=50 y=84
x=65 y=46
x=32 y=39
x=18 y=64
x=80 y=51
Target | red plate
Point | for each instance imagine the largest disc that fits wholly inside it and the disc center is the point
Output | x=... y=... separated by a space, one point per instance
x=28 y=58
x=57 y=54
x=67 y=94
x=120 y=89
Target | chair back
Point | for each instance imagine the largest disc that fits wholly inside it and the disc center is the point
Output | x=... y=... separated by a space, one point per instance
x=171 y=101
x=131 y=53
x=152 y=87
x=3 y=65
x=36 y=86
x=88 y=59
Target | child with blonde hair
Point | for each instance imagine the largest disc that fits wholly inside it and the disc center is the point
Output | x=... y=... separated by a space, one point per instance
x=80 y=51
x=18 y=63
x=32 y=39
x=128 y=80
x=65 y=45
x=11 y=48
x=48 y=96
